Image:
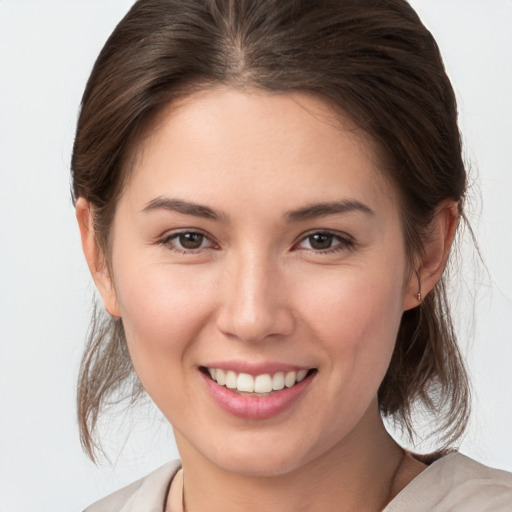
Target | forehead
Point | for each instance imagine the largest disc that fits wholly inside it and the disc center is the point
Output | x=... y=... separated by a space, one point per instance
x=297 y=145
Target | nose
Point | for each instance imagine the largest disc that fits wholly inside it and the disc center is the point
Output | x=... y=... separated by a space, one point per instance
x=255 y=305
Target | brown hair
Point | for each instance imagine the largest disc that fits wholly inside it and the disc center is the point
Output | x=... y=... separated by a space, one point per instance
x=373 y=58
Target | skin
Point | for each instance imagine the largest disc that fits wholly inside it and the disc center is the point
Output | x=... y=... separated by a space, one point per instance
x=258 y=292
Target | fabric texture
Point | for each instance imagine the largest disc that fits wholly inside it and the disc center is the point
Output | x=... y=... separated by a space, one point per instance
x=454 y=483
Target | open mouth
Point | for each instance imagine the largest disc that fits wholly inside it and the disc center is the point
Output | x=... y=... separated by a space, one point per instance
x=257 y=385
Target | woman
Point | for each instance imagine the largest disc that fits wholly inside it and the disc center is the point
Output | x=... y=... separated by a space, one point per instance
x=267 y=194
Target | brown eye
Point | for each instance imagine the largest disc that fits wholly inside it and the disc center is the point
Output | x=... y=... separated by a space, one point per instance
x=190 y=240
x=324 y=242
x=320 y=241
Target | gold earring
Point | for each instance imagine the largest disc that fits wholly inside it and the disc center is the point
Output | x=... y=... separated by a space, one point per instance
x=419 y=296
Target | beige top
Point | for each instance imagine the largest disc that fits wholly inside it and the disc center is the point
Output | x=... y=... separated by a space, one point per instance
x=454 y=483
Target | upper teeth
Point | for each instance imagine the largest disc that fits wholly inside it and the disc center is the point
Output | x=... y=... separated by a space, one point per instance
x=264 y=383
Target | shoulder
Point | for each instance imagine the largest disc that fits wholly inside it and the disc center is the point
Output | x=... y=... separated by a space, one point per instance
x=456 y=483
x=148 y=493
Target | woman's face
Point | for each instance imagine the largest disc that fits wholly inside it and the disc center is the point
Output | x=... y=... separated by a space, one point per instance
x=256 y=240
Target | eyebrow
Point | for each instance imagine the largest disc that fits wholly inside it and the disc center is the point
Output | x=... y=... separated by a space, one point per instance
x=185 y=207
x=329 y=208
x=305 y=213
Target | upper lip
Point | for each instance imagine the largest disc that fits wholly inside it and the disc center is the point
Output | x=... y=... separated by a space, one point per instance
x=254 y=369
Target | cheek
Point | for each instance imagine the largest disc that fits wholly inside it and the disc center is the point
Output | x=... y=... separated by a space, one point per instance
x=163 y=313
x=357 y=315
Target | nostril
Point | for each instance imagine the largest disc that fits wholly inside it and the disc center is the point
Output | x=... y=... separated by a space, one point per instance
x=272 y=323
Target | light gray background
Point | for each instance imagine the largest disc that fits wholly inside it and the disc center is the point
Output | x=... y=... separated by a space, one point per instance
x=46 y=53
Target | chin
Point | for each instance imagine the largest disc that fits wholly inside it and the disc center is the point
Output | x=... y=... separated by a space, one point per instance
x=261 y=459
x=260 y=466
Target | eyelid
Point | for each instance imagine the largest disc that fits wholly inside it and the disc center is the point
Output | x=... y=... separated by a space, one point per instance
x=167 y=237
x=347 y=242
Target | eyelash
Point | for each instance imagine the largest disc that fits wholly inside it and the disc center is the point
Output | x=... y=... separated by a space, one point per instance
x=167 y=242
x=345 y=242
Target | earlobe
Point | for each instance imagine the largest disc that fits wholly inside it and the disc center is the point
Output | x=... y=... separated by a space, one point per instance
x=436 y=244
x=95 y=258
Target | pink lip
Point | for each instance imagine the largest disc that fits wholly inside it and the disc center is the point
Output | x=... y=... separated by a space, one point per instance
x=255 y=408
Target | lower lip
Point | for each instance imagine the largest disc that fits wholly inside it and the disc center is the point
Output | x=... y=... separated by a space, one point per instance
x=252 y=407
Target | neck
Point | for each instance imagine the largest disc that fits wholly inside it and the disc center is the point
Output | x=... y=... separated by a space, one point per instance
x=358 y=473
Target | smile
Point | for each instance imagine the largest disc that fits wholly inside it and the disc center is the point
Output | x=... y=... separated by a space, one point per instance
x=258 y=384
x=260 y=396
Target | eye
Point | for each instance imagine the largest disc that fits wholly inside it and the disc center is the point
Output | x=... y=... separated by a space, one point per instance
x=187 y=241
x=325 y=241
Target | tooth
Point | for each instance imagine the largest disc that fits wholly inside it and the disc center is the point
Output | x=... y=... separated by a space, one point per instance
x=301 y=375
x=231 y=379
x=263 y=383
x=221 y=376
x=278 y=381
x=212 y=373
x=290 y=379
x=245 y=382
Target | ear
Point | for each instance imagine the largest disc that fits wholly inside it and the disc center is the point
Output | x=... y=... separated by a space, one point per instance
x=95 y=257
x=437 y=244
